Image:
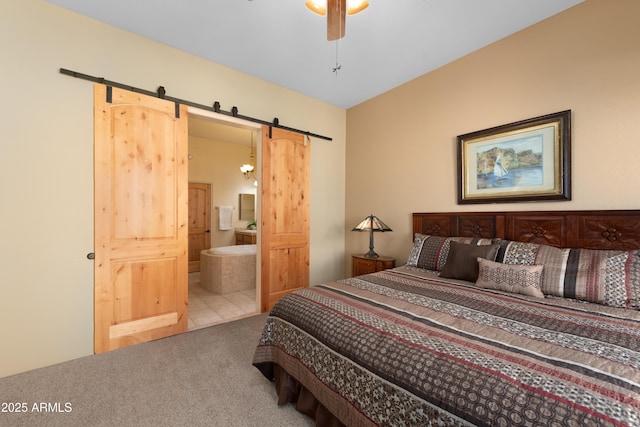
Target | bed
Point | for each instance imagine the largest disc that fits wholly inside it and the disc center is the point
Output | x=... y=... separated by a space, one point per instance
x=537 y=322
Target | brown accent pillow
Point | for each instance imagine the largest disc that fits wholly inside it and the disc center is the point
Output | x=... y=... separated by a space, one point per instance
x=462 y=262
x=517 y=279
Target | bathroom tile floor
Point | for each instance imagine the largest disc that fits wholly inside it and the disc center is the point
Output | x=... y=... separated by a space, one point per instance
x=208 y=309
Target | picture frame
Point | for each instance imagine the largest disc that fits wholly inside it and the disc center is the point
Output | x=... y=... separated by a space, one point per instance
x=525 y=161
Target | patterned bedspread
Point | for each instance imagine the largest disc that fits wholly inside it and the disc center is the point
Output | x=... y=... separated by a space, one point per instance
x=404 y=347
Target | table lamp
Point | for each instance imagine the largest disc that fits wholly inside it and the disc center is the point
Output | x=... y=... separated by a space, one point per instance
x=371 y=223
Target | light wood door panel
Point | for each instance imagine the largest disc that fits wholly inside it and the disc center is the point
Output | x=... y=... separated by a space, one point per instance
x=285 y=214
x=199 y=222
x=141 y=216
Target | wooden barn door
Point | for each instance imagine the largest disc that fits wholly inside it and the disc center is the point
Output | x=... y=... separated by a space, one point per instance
x=141 y=214
x=285 y=215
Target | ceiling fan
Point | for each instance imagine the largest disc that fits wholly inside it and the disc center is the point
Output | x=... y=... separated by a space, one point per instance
x=336 y=11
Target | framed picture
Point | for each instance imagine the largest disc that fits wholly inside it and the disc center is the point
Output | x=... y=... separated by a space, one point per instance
x=525 y=161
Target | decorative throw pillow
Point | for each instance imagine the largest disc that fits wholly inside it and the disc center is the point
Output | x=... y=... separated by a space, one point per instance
x=517 y=279
x=462 y=262
x=600 y=276
x=431 y=252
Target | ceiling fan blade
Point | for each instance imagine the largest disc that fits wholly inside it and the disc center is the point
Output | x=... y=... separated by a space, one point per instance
x=336 y=13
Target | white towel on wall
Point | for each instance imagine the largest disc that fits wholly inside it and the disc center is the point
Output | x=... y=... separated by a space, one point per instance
x=225 y=217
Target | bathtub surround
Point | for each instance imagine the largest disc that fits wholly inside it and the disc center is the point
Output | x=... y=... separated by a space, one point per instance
x=228 y=269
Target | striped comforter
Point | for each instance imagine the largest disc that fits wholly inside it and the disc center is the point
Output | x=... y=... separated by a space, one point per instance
x=405 y=347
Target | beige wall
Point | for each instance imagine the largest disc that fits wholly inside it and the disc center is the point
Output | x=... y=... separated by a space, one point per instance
x=46 y=166
x=218 y=163
x=401 y=151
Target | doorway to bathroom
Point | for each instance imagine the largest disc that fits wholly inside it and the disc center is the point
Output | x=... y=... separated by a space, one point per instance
x=219 y=289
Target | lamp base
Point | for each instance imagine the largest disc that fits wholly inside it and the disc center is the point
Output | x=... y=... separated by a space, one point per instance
x=371 y=254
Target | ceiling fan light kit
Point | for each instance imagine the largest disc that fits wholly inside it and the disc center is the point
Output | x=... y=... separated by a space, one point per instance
x=336 y=10
x=353 y=6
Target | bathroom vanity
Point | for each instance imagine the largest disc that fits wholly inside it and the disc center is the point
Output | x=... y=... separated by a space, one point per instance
x=245 y=237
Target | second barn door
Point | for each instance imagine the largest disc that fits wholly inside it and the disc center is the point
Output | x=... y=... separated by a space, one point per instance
x=285 y=214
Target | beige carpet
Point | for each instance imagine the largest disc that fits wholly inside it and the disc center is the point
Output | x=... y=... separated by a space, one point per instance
x=200 y=378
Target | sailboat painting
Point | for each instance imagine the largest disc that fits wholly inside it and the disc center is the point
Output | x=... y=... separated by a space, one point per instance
x=523 y=161
x=513 y=163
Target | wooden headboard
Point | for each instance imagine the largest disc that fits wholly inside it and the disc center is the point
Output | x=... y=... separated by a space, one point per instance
x=602 y=229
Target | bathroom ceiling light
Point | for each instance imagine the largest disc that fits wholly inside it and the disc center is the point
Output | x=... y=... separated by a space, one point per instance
x=248 y=169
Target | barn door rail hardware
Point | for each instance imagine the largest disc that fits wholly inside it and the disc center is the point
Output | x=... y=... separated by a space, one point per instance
x=161 y=93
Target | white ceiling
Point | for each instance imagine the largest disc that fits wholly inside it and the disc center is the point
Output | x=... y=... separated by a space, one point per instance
x=281 y=41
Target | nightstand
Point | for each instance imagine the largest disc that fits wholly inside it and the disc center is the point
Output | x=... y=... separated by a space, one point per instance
x=363 y=265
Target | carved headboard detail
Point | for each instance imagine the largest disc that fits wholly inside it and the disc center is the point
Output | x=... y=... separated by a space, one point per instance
x=601 y=229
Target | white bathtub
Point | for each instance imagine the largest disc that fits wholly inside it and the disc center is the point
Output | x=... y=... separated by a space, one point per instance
x=228 y=269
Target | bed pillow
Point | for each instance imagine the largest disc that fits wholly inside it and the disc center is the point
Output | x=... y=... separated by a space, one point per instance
x=517 y=279
x=431 y=252
x=462 y=262
x=604 y=277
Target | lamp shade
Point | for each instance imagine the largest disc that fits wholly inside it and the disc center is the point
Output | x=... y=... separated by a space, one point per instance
x=371 y=223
